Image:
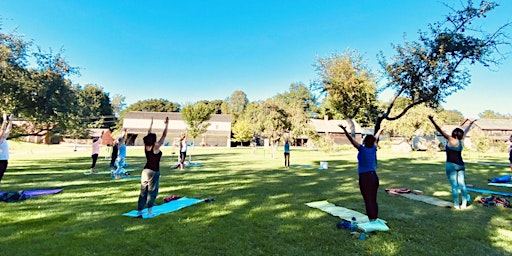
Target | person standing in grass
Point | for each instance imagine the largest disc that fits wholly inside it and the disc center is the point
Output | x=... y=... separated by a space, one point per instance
x=287 y=153
x=121 y=157
x=4 y=147
x=95 y=151
x=183 y=150
x=113 y=155
x=510 y=153
x=150 y=177
x=455 y=168
x=367 y=170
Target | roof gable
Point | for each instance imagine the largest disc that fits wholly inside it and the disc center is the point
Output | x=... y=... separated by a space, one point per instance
x=173 y=116
x=492 y=124
x=332 y=126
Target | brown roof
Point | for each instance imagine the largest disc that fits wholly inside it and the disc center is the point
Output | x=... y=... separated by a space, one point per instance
x=493 y=124
x=332 y=126
x=173 y=116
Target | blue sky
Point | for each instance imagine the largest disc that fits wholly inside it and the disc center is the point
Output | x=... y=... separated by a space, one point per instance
x=186 y=51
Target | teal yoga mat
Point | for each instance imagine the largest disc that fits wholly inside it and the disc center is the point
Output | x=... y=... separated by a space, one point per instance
x=497 y=184
x=362 y=220
x=489 y=192
x=166 y=208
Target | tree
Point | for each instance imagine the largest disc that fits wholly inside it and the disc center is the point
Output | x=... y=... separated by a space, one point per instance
x=434 y=67
x=47 y=100
x=272 y=122
x=489 y=114
x=217 y=106
x=414 y=122
x=242 y=131
x=350 y=87
x=300 y=105
x=13 y=71
x=196 y=116
x=154 y=105
x=451 y=116
x=94 y=106
x=237 y=102
x=40 y=94
x=118 y=104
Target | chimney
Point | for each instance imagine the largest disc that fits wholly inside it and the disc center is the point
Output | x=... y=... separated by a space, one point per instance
x=326 y=117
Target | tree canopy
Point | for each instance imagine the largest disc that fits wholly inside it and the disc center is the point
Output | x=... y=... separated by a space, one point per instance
x=196 y=116
x=434 y=67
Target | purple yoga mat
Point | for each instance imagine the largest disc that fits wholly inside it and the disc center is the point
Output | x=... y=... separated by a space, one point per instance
x=31 y=193
x=38 y=192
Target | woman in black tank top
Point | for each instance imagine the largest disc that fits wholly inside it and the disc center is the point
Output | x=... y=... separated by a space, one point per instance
x=150 y=177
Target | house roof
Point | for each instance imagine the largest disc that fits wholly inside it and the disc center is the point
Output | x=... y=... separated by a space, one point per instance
x=332 y=126
x=450 y=127
x=173 y=116
x=492 y=124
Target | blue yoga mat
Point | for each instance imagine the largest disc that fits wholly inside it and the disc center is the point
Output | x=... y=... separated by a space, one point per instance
x=490 y=192
x=166 y=208
x=502 y=179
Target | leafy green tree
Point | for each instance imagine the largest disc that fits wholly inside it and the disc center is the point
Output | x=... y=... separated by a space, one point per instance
x=242 y=131
x=480 y=141
x=154 y=105
x=118 y=104
x=40 y=94
x=414 y=122
x=237 y=102
x=489 y=114
x=430 y=69
x=94 y=106
x=13 y=71
x=196 y=116
x=48 y=99
x=350 y=87
x=218 y=106
x=451 y=116
x=300 y=105
x=272 y=122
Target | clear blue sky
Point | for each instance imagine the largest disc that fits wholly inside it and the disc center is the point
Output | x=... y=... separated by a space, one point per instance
x=186 y=51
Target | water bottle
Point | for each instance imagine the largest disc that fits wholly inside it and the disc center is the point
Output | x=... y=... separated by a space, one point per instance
x=353 y=224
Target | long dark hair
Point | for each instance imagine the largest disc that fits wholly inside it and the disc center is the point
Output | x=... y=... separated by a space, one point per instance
x=149 y=139
x=458 y=133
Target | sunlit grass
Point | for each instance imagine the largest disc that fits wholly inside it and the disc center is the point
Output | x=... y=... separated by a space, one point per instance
x=259 y=206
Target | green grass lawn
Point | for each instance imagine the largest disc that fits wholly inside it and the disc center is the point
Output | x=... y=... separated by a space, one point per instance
x=259 y=209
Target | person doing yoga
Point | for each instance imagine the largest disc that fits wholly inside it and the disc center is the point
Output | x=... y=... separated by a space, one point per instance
x=455 y=168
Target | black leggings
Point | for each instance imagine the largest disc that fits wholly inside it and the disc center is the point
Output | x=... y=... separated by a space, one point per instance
x=368 y=185
x=3 y=168
x=94 y=159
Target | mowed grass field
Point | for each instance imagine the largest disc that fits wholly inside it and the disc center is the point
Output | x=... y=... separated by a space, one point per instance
x=259 y=206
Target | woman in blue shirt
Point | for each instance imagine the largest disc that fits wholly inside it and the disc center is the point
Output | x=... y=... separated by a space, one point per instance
x=287 y=153
x=366 y=168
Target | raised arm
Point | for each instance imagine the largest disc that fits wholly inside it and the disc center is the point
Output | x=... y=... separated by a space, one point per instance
x=445 y=135
x=4 y=123
x=354 y=143
x=377 y=135
x=125 y=135
x=150 y=126
x=466 y=130
x=164 y=134
x=6 y=127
